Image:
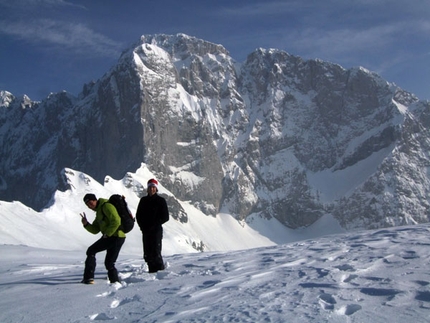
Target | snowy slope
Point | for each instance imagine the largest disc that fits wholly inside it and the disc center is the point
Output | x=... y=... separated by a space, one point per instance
x=59 y=226
x=370 y=276
x=253 y=271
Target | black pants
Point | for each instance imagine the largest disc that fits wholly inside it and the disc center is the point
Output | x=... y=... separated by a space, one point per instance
x=152 y=248
x=112 y=245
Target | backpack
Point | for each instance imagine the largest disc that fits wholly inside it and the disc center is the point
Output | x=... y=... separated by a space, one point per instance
x=127 y=219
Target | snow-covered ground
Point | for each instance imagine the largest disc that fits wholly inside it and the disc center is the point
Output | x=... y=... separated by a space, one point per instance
x=253 y=271
x=372 y=276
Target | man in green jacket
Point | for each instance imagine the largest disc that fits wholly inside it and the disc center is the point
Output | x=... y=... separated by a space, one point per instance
x=107 y=222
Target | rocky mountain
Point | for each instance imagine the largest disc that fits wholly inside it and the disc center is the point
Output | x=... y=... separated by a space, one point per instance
x=276 y=135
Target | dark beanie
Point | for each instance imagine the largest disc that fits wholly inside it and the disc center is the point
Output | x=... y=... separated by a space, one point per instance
x=89 y=197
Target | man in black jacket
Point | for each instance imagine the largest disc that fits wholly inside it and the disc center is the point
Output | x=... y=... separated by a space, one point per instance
x=151 y=213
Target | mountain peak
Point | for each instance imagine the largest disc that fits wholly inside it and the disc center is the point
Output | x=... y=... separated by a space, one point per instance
x=278 y=136
x=182 y=44
x=6 y=98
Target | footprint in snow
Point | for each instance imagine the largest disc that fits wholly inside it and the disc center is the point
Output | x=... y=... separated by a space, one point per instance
x=326 y=301
x=118 y=302
x=423 y=296
x=162 y=274
x=322 y=272
x=209 y=283
x=101 y=317
x=349 y=309
x=115 y=303
x=350 y=278
x=380 y=292
x=345 y=267
x=105 y=294
x=409 y=255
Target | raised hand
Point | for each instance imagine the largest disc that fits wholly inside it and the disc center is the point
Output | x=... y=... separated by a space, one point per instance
x=83 y=218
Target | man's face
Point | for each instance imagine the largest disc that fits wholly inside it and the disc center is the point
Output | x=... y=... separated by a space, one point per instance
x=152 y=190
x=92 y=204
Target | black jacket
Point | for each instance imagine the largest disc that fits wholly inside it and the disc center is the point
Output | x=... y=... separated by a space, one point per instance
x=151 y=212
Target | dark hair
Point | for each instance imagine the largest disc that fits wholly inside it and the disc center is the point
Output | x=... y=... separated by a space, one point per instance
x=89 y=197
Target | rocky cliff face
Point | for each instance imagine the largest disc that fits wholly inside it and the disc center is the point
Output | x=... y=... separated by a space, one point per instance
x=275 y=135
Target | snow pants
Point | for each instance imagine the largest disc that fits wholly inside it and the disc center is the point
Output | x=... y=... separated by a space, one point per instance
x=112 y=245
x=152 y=248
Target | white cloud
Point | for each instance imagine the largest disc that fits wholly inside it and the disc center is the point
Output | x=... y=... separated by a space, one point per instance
x=76 y=38
x=28 y=4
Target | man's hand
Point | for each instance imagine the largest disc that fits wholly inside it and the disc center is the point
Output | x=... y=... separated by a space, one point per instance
x=84 y=218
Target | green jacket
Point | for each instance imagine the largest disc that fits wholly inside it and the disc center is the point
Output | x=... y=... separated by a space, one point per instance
x=106 y=221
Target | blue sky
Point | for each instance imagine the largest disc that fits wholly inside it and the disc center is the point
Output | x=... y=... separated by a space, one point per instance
x=54 y=45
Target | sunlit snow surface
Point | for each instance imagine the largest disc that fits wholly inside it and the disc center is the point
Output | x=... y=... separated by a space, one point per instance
x=253 y=271
x=369 y=276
